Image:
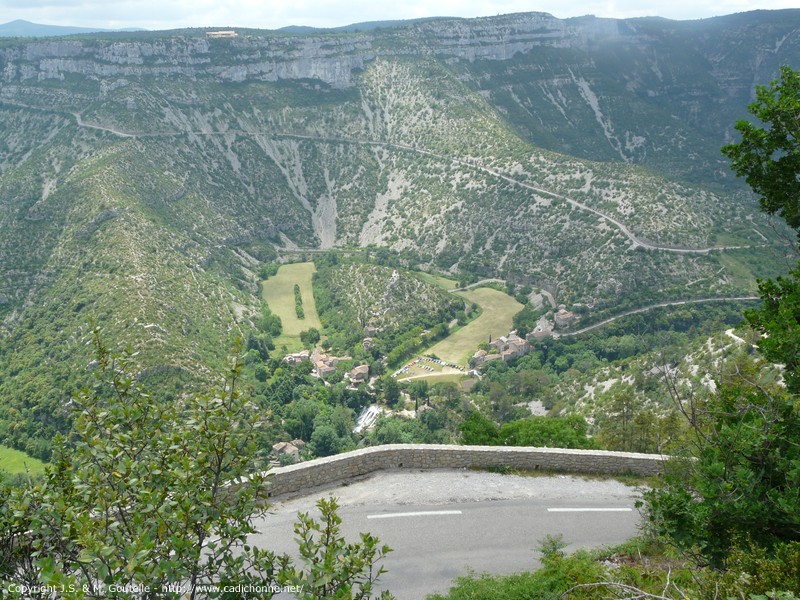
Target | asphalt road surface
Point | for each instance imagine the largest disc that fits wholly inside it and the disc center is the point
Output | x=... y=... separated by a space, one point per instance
x=443 y=524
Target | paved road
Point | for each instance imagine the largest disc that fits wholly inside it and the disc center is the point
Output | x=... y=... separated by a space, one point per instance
x=636 y=241
x=441 y=524
x=634 y=311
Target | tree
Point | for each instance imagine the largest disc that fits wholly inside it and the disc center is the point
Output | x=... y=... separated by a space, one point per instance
x=391 y=391
x=741 y=484
x=741 y=481
x=778 y=320
x=769 y=158
x=139 y=496
x=325 y=441
x=334 y=568
x=418 y=390
x=616 y=426
x=146 y=495
x=310 y=336
x=553 y=432
x=477 y=430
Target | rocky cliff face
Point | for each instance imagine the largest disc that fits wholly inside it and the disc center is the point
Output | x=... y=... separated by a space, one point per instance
x=261 y=56
x=257 y=59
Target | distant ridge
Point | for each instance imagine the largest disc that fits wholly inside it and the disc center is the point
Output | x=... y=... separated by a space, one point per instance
x=20 y=28
x=365 y=26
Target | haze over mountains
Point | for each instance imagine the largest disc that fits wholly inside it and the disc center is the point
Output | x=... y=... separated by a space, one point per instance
x=21 y=28
x=145 y=176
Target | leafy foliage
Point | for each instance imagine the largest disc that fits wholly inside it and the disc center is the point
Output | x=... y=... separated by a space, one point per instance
x=332 y=567
x=142 y=497
x=768 y=157
x=739 y=486
x=153 y=494
x=779 y=319
x=553 y=432
x=742 y=480
x=298 y=303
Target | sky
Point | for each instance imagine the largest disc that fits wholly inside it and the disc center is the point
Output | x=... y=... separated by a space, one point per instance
x=273 y=14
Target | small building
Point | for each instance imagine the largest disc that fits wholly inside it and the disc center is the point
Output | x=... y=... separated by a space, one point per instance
x=325 y=370
x=482 y=357
x=287 y=448
x=539 y=334
x=499 y=343
x=325 y=365
x=297 y=357
x=359 y=374
x=565 y=318
x=227 y=33
x=543 y=329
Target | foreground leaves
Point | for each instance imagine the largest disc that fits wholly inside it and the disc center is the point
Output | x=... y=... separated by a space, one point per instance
x=155 y=499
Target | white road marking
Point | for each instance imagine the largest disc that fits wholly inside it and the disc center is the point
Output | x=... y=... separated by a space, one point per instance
x=426 y=513
x=589 y=509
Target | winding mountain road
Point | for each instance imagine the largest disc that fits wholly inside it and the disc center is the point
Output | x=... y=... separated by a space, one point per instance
x=634 y=311
x=624 y=229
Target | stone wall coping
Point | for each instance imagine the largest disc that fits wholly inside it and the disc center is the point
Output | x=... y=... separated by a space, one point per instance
x=433 y=448
x=295 y=479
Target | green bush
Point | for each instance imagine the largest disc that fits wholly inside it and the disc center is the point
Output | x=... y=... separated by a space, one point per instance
x=298 y=303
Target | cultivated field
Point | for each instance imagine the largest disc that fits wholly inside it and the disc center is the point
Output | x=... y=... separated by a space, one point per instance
x=443 y=282
x=495 y=320
x=13 y=462
x=278 y=292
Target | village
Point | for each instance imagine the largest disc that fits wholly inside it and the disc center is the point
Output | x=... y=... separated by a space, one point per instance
x=503 y=348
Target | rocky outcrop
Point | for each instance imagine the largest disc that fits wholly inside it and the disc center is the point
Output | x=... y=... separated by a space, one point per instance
x=265 y=58
x=330 y=58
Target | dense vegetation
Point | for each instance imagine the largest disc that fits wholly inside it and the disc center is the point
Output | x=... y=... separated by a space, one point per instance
x=354 y=296
x=139 y=504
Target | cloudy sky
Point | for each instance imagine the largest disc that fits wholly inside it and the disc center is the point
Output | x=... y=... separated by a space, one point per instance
x=272 y=14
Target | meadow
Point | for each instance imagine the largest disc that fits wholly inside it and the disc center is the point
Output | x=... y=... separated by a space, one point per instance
x=496 y=320
x=14 y=461
x=278 y=293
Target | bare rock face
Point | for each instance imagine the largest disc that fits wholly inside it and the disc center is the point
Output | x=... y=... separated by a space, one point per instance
x=262 y=58
x=331 y=59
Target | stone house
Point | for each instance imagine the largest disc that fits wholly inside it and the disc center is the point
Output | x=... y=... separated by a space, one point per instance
x=359 y=374
x=287 y=448
x=297 y=357
x=482 y=357
x=325 y=365
x=565 y=318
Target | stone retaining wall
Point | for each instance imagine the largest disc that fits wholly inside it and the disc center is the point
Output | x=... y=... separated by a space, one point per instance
x=294 y=479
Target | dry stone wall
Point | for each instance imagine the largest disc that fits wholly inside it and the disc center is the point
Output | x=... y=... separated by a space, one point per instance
x=295 y=479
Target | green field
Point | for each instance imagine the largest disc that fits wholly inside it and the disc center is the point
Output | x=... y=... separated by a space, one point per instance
x=435 y=378
x=495 y=320
x=13 y=462
x=442 y=282
x=278 y=292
